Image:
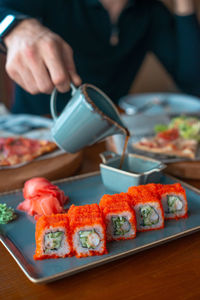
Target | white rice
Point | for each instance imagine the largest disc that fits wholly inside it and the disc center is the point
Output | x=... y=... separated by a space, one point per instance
x=178 y=213
x=77 y=243
x=109 y=226
x=156 y=206
x=64 y=248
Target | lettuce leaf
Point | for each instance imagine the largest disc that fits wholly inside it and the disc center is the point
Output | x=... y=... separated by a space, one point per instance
x=189 y=127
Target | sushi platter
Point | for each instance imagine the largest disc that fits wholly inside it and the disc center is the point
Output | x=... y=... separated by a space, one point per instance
x=18 y=236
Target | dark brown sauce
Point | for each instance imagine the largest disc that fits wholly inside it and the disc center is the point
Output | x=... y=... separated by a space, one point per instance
x=124 y=149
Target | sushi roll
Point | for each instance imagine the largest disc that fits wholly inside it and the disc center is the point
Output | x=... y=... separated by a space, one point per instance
x=174 y=201
x=88 y=230
x=148 y=208
x=150 y=187
x=119 y=217
x=52 y=237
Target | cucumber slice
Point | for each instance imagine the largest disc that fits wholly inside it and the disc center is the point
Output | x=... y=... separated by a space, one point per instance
x=120 y=225
x=89 y=239
x=52 y=240
x=149 y=215
x=174 y=203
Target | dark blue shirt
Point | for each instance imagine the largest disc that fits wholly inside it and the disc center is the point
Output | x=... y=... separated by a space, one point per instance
x=143 y=26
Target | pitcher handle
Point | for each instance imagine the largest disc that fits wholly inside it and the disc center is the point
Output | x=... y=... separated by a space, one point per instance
x=106 y=156
x=54 y=98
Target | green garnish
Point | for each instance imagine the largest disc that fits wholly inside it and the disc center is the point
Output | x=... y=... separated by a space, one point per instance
x=148 y=215
x=160 y=128
x=7 y=214
x=174 y=203
x=189 y=127
x=53 y=240
x=89 y=238
x=120 y=225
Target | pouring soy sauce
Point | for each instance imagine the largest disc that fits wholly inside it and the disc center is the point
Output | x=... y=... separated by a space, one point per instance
x=124 y=148
x=90 y=116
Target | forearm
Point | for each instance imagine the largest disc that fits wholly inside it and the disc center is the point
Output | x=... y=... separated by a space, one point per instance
x=175 y=40
x=188 y=51
x=38 y=59
x=187 y=46
x=183 y=7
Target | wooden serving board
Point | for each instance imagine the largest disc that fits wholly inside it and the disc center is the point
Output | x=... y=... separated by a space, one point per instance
x=61 y=166
x=186 y=169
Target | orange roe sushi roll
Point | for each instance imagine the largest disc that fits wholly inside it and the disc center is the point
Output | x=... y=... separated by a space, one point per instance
x=150 y=187
x=119 y=217
x=52 y=237
x=174 y=201
x=148 y=207
x=87 y=230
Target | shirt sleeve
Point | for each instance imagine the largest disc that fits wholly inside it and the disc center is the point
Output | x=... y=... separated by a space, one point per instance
x=175 y=40
x=31 y=8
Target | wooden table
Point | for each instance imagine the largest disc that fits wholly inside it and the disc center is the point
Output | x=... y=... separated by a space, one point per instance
x=171 y=270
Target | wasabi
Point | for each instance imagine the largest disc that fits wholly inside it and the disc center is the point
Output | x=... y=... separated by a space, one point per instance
x=7 y=214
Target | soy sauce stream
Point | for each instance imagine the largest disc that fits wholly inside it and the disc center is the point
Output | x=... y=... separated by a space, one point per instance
x=124 y=149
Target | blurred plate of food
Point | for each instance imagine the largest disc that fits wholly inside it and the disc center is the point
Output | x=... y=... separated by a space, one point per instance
x=161 y=137
x=25 y=138
x=160 y=103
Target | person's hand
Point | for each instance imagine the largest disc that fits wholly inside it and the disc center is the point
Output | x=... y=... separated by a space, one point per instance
x=38 y=59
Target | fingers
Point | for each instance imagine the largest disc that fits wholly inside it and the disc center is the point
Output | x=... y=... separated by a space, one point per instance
x=54 y=62
x=22 y=76
x=41 y=62
x=40 y=74
x=43 y=79
x=70 y=65
x=60 y=64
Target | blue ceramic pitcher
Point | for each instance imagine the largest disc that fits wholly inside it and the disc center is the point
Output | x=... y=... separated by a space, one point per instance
x=89 y=116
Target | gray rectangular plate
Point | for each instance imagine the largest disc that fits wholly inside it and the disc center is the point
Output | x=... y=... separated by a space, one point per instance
x=19 y=236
